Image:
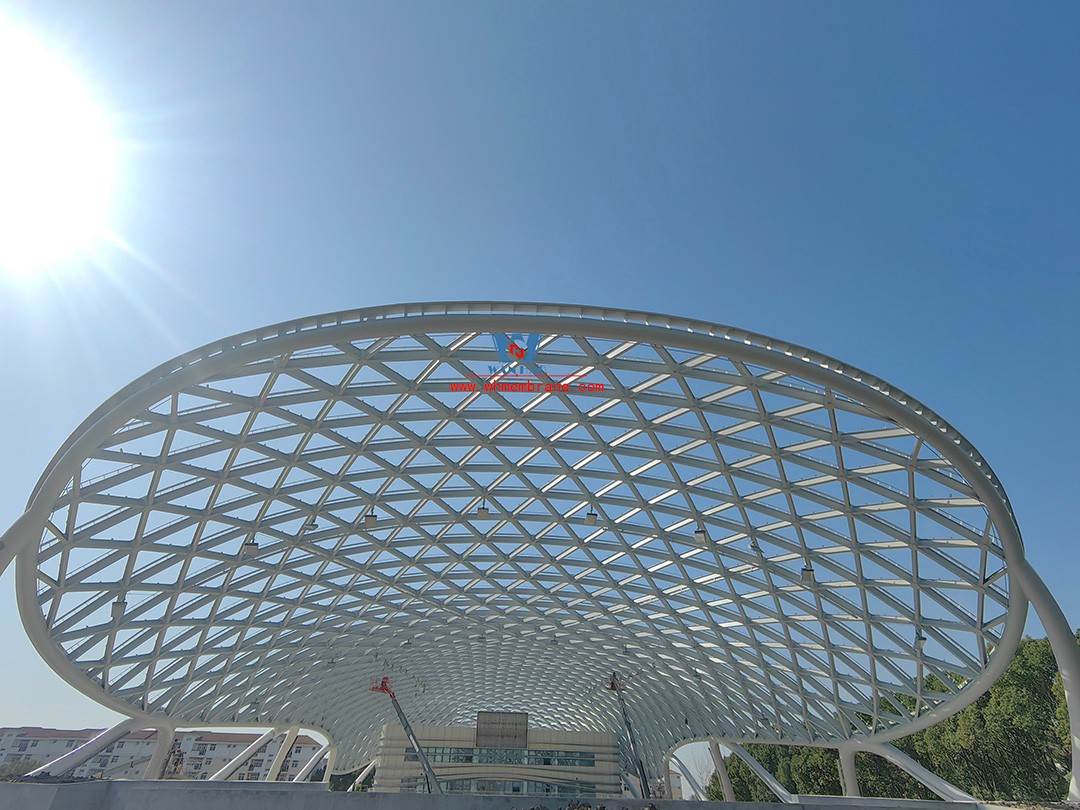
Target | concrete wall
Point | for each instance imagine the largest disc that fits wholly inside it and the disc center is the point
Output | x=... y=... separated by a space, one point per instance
x=192 y=795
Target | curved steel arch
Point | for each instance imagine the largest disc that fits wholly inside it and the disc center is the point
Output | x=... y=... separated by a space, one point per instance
x=773 y=545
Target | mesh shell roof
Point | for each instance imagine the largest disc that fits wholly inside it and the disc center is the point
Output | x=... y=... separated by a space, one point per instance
x=765 y=544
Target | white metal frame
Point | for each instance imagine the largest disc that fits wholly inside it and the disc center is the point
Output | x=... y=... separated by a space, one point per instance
x=779 y=546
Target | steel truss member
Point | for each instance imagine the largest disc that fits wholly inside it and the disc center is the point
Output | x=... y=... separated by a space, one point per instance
x=768 y=542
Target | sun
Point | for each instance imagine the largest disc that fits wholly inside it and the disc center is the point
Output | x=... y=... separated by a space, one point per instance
x=56 y=157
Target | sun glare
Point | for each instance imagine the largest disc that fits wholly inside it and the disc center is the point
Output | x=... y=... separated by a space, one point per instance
x=56 y=157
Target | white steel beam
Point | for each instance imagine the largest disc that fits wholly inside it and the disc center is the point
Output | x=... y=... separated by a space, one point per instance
x=690 y=784
x=771 y=782
x=802 y=545
x=238 y=761
x=162 y=746
x=942 y=787
x=284 y=750
x=73 y=759
x=331 y=758
x=848 y=774
x=1066 y=652
x=721 y=771
x=360 y=777
x=309 y=766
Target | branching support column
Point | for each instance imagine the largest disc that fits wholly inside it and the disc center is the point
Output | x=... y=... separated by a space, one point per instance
x=1066 y=652
x=770 y=781
x=309 y=766
x=688 y=780
x=244 y=756
x=73 y=759
x=943 y=788
x=162 y=746
x=848 y=775
x=283 y=751
x=721 y=771
x=360 y=777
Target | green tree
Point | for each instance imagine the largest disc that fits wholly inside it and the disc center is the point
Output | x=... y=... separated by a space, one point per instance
x=747 y=787
x=1007 y=744
x=1012 y=743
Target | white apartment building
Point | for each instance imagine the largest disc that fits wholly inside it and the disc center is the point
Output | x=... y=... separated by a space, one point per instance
x=195 y=755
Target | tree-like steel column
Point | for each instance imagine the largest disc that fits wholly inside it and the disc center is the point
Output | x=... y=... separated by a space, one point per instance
x=1066 y=652
x=689 y=780
x=282 y=753
x=162 y=746
x=943 y=788
x=309 y=766
x=331 y=758
x=360 y=777
x=771 y=782
x=848 y=774
x=245 y=755
x=73 y=759
x=722 y=771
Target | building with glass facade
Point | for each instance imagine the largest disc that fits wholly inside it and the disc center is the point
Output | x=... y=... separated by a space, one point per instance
x=501 y=756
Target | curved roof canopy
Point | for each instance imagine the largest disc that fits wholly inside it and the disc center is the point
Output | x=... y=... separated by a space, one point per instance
x=500 y=504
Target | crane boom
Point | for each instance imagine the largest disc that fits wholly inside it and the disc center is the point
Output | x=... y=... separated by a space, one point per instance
x=615 y=686
x=383 y=686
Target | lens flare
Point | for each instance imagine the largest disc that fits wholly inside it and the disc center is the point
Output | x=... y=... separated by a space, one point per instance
x=56 y=157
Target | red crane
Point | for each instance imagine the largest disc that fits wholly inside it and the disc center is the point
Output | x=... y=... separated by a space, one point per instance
x=383 y=685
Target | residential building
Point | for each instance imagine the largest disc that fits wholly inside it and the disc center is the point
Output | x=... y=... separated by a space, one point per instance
x=196 y=754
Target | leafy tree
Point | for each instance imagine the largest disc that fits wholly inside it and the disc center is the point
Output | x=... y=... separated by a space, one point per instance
x=747 y=787
x=1012 y=743
x=1007 y=744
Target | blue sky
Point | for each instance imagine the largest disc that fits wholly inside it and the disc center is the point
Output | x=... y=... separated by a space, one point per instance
x=891 y=184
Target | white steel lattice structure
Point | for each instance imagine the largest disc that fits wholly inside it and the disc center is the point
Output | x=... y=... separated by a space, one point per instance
x=768 y=544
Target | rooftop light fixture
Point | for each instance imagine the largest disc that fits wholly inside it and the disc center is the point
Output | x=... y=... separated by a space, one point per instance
x=700 y=537
x=808 y=575
x=249 y=546
x=590 y=518
x=482 y=511
x=371 y=520
x=118 y=608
